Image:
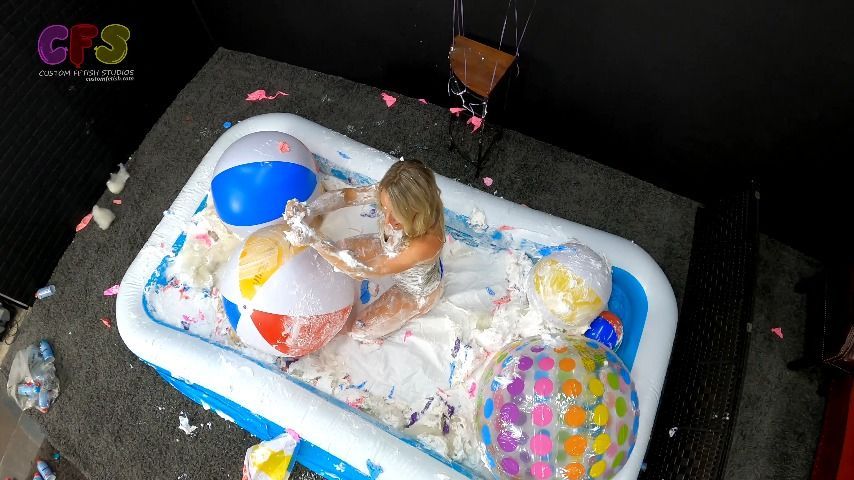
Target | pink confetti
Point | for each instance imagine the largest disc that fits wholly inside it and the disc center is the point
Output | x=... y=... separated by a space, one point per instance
x=472 y=389
x=487 y=181
x=456 y=110
x=106 y=321
x=262 y=95
x=117 y=201
x=85 y=221
x=204 y=238
x=284 y=147
x=476 y=122
x=778 y=331
x=388 y=99
x=111 y=291
x=406 y=335
x=501 y=301
x=423 y=101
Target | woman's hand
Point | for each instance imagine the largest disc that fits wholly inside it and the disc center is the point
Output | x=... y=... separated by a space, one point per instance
x=300 y=235
x=295 y=209
x=297 y=232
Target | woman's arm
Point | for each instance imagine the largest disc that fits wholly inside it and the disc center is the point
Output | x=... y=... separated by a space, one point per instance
x=348 y=262
x=346 y=197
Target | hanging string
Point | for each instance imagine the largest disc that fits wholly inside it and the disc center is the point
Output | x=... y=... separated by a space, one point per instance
x=462 y=17
x=506 y=11
x=457 y=20
x=454 y=23
x=525 y=28
x=458 y=28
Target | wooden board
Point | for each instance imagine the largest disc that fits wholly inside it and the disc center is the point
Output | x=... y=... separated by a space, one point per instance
x=480 y=67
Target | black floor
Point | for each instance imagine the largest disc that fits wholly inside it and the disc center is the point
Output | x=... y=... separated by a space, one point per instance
x=117 y=419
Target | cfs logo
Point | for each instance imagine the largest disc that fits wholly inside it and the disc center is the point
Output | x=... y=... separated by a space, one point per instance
x=116 y=37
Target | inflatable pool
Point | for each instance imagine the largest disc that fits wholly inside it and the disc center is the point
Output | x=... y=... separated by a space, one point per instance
x=402 y=408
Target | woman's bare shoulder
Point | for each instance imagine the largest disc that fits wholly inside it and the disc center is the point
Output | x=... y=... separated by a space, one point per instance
x=429 y=243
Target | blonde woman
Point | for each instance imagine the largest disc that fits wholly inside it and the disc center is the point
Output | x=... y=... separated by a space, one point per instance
x=411 y=237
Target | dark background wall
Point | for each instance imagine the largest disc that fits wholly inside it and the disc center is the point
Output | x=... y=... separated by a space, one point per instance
x=696 y=97
x=61 y=137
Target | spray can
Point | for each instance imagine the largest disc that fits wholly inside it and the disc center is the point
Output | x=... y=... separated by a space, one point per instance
x=45 y=470
x=45 y=292
x=28 y=389
x=46 y=351
x=44 y=400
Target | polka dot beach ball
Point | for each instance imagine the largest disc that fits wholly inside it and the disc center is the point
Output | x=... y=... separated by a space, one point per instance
x=563 y=408
x=257 y=175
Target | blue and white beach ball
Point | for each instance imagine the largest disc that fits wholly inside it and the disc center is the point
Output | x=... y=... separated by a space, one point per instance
x=257 y=175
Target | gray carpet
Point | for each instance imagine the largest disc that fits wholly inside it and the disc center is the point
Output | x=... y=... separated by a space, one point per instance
x=117 y=419
x=777 y=428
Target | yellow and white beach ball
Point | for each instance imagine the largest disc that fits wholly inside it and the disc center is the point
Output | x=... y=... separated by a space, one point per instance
x=570 y=286
x=281 y=299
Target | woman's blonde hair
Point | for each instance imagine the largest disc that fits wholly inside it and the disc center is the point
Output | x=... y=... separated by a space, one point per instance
x=415 y=197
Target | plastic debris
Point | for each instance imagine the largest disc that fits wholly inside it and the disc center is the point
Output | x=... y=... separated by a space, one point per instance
x=778 y=331
x=487 y=181
x=422 y=101
x=33 y=367
x=672 y=431
x=184 y=425
x=456 y=110
x=388 y=99
x=271 y=460
x=103 y=217
x=117 y=201
x=28 y=389
x=45 y=292
x=406 y=335
x=284 y=147
x=83 y=222
x=117 y=180
x=109 y=324
x=226 y=124
x=374 y=469
x=111 y=291
x=44 y=470
x=46 y=351
x=261 y=94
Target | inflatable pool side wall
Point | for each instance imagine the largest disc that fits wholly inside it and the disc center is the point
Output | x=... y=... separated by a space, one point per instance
x=347 y=435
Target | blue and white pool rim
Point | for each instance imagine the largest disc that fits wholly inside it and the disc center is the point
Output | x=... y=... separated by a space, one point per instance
x=340 y=442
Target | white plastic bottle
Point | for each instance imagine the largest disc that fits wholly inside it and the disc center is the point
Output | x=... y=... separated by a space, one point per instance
x=45 y=292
